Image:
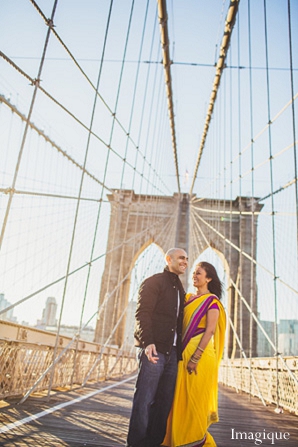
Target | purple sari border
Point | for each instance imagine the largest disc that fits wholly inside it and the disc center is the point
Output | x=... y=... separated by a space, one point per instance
x=196 y=444
x=198 y=314
x=199 y=331
x=196 y=297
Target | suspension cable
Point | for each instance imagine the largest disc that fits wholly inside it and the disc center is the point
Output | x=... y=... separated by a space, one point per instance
x=113 y=114
x=164 y=37
x=229 y=24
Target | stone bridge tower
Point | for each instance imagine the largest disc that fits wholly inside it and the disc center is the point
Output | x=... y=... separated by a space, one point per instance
x=138 y=220
x=230 y=228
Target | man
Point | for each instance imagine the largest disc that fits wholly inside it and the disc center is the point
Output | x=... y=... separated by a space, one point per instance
x=157 y=334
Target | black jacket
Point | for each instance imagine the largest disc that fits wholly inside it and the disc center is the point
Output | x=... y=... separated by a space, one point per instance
x=156 y=312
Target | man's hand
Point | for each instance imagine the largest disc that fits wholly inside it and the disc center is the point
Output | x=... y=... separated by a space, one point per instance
x=151 y=353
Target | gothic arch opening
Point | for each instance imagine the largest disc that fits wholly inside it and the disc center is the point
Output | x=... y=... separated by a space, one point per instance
x=148 y=260
x=139 y=220
x=219 y=261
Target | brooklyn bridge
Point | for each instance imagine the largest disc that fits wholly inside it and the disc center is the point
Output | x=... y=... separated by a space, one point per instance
x=128 y=127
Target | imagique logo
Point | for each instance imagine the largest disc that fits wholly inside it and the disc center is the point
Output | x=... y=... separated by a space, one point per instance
x=260 y=436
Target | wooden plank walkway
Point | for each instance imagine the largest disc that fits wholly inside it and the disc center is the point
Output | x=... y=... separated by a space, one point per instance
x=98 y=415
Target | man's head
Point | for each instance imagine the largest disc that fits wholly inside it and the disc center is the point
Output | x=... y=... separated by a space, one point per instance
x=177 y=260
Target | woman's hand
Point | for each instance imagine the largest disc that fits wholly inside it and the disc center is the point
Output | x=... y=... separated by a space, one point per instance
x=191 y=367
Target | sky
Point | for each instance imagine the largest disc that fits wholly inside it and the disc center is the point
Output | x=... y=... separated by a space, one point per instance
x=36 y=242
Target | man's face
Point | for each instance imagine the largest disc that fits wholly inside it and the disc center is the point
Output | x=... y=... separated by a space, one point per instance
x=178 y=262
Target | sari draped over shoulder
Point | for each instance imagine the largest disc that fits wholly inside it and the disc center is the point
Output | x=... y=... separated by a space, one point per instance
x=195 y=404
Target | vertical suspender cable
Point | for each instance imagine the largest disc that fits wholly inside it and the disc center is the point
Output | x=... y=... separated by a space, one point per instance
x=121 y=273
x=139 y=222
x=252 y=291
x=231 y=195
x=240 y=205
x=102 y=189
x=134 y=94
x=72 y=245
x=230 y=21
x=114 y=115
x=36 y=85
x=272 y=207
x=230 y=82
x=143 y=111
x=293 y=118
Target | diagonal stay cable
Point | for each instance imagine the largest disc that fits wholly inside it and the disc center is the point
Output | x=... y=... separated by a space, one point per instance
x=86 y=264
x=248 y=146
x=244 y=253
x=56 y=196
x=254 y=316
x=102 y=189
x=36 y=83
x=263 y=330
x=96 y=90
x=77 y=334
x=196 y=224
x=51 y=142
x=132 y=111
x=24 y=137
x=245 y=357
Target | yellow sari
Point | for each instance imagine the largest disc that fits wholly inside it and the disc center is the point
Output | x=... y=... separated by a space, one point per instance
x=195 y=404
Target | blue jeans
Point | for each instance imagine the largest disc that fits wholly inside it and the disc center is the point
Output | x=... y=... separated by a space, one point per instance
x=152 y=400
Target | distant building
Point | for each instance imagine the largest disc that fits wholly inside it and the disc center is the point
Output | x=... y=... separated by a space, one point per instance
x=6 y=316
x=49 y=313
x=264 y=348
x=49 y=323
x=288 y=337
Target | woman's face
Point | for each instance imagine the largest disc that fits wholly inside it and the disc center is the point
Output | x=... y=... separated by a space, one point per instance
x=199 y=277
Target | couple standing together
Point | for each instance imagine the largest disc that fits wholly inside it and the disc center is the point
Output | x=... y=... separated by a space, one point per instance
x=179 y=339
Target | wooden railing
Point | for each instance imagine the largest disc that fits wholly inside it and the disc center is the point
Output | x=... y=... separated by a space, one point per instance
x=273 y=380
x=26 y=356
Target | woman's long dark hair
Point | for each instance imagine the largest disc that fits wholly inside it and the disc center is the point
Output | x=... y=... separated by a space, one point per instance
x=215 y=285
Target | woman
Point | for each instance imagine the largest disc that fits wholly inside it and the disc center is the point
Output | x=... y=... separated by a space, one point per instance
x=195 y=401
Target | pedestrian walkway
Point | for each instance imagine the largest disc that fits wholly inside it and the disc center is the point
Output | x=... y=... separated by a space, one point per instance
x=98 y=416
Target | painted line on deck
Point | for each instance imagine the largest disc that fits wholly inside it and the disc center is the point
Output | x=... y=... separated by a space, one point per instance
x=31 y=418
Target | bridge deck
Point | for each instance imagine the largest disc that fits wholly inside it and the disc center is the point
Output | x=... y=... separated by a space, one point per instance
x=97 y=416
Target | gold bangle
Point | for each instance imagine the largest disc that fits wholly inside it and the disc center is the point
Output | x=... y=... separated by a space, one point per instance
x=202 y=350
x=194 y=359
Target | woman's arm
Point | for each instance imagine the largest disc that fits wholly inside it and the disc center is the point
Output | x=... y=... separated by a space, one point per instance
x=211 y=322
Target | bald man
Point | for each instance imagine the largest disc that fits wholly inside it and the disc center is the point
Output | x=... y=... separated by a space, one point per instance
x=158 y=332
